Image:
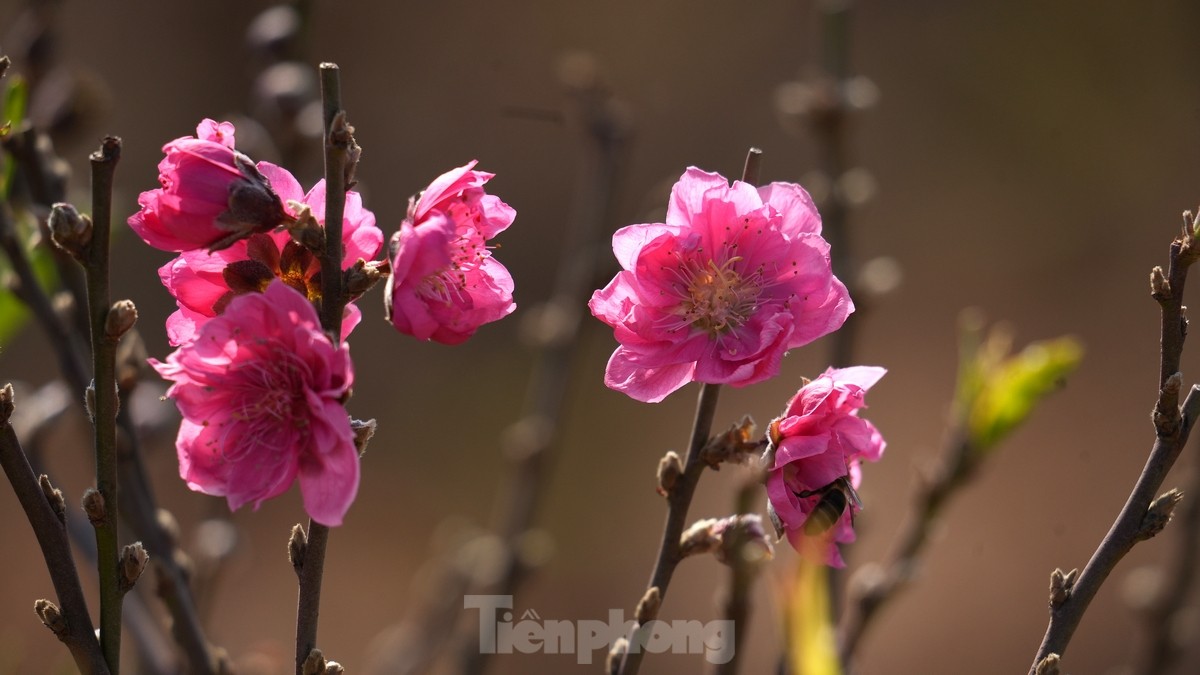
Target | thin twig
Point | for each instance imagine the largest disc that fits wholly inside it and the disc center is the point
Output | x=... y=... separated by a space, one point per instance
x=1165 y=649
x=1172 y=424
x=338 y=159
x=77 y=632
x=104 y=349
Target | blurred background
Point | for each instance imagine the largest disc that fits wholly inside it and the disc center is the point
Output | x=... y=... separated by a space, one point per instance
x=1029 y=159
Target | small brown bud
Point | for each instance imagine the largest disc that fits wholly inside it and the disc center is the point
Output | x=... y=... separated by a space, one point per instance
x=648 y=606
x=612 y=664
x=121 y=317
x=6 y=403
x=699 y=538
x=93 y=506
x=55 y=497
x=133 y=563
x=670 y=468
x=1060 y=586
x=70 y=230
x=743 y=540
x=51 y=616
x=363 y=432
x=1159 y=514
x=735 y=445
x=297 y=546
x=314 y=664
x=1048 y=665
x=334 y=668
x=1160 y=288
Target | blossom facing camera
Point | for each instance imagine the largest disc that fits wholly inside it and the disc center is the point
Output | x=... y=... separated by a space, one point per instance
x=204 y=283
x=261 y=391
x=734 y=278
x=445 y=283
x=211 y=195
x=815 y=459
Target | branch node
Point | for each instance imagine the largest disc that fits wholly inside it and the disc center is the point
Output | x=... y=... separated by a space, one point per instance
x=1061 y=584
x=1048 y=665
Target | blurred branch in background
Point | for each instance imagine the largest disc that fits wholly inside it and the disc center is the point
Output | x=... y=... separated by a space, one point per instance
x=1143 y=516
x=996 y=392
x=468 y=560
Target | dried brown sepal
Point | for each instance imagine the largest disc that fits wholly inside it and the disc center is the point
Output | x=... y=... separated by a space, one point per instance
x=363 y=432
x=133 y=563
x=314 y=664
x=362 y=276
x=612 y=663
x=670 y=468
x=297 y=545
x=1048 y=665
x=1159 y=514
x=648 y=606
x=52 y=617
x=70 y=230
x=121 y=317
x=305 y=230
x=735 y=445
x=93 y=506
x=55 y=497
x=341 y=134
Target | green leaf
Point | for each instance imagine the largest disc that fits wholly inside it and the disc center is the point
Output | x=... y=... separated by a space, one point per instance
x=812 y=642
x=1012 y=386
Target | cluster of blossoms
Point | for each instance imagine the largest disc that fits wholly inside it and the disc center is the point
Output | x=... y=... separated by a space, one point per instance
x=260 y=385
x=735 y=277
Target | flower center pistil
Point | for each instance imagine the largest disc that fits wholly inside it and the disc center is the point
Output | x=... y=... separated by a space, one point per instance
x=718 y=298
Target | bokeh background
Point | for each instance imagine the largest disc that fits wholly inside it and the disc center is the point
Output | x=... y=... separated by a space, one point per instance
x=1031 y=160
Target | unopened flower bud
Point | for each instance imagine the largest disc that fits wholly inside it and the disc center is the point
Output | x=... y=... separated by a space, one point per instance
x=297 y=546
x=70 y=230
x=648 y=606
x=363 y=431
x=6 y=403
x=305 y=229
x=670 y=468
x=93 y=506
x=363 y=275
x=612 y=664
x=89 y=399
x=699 y=538
x=133 y=563
x=55 y=497
x=51 y=616
x=1159 y=513
x=743 y=540
x=121 y=317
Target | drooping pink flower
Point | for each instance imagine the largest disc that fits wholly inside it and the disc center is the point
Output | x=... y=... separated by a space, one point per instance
x=203 y=283
x=818 y=446
x=211 y=195
x=734 y=278
x=261 y=390
x=445 y=283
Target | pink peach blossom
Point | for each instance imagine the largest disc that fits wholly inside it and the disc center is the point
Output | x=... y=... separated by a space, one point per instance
x=211 y=195
x=818 y=441
x=261 y=390
x=734 y=278
x=445 y=283
x=203 y=283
